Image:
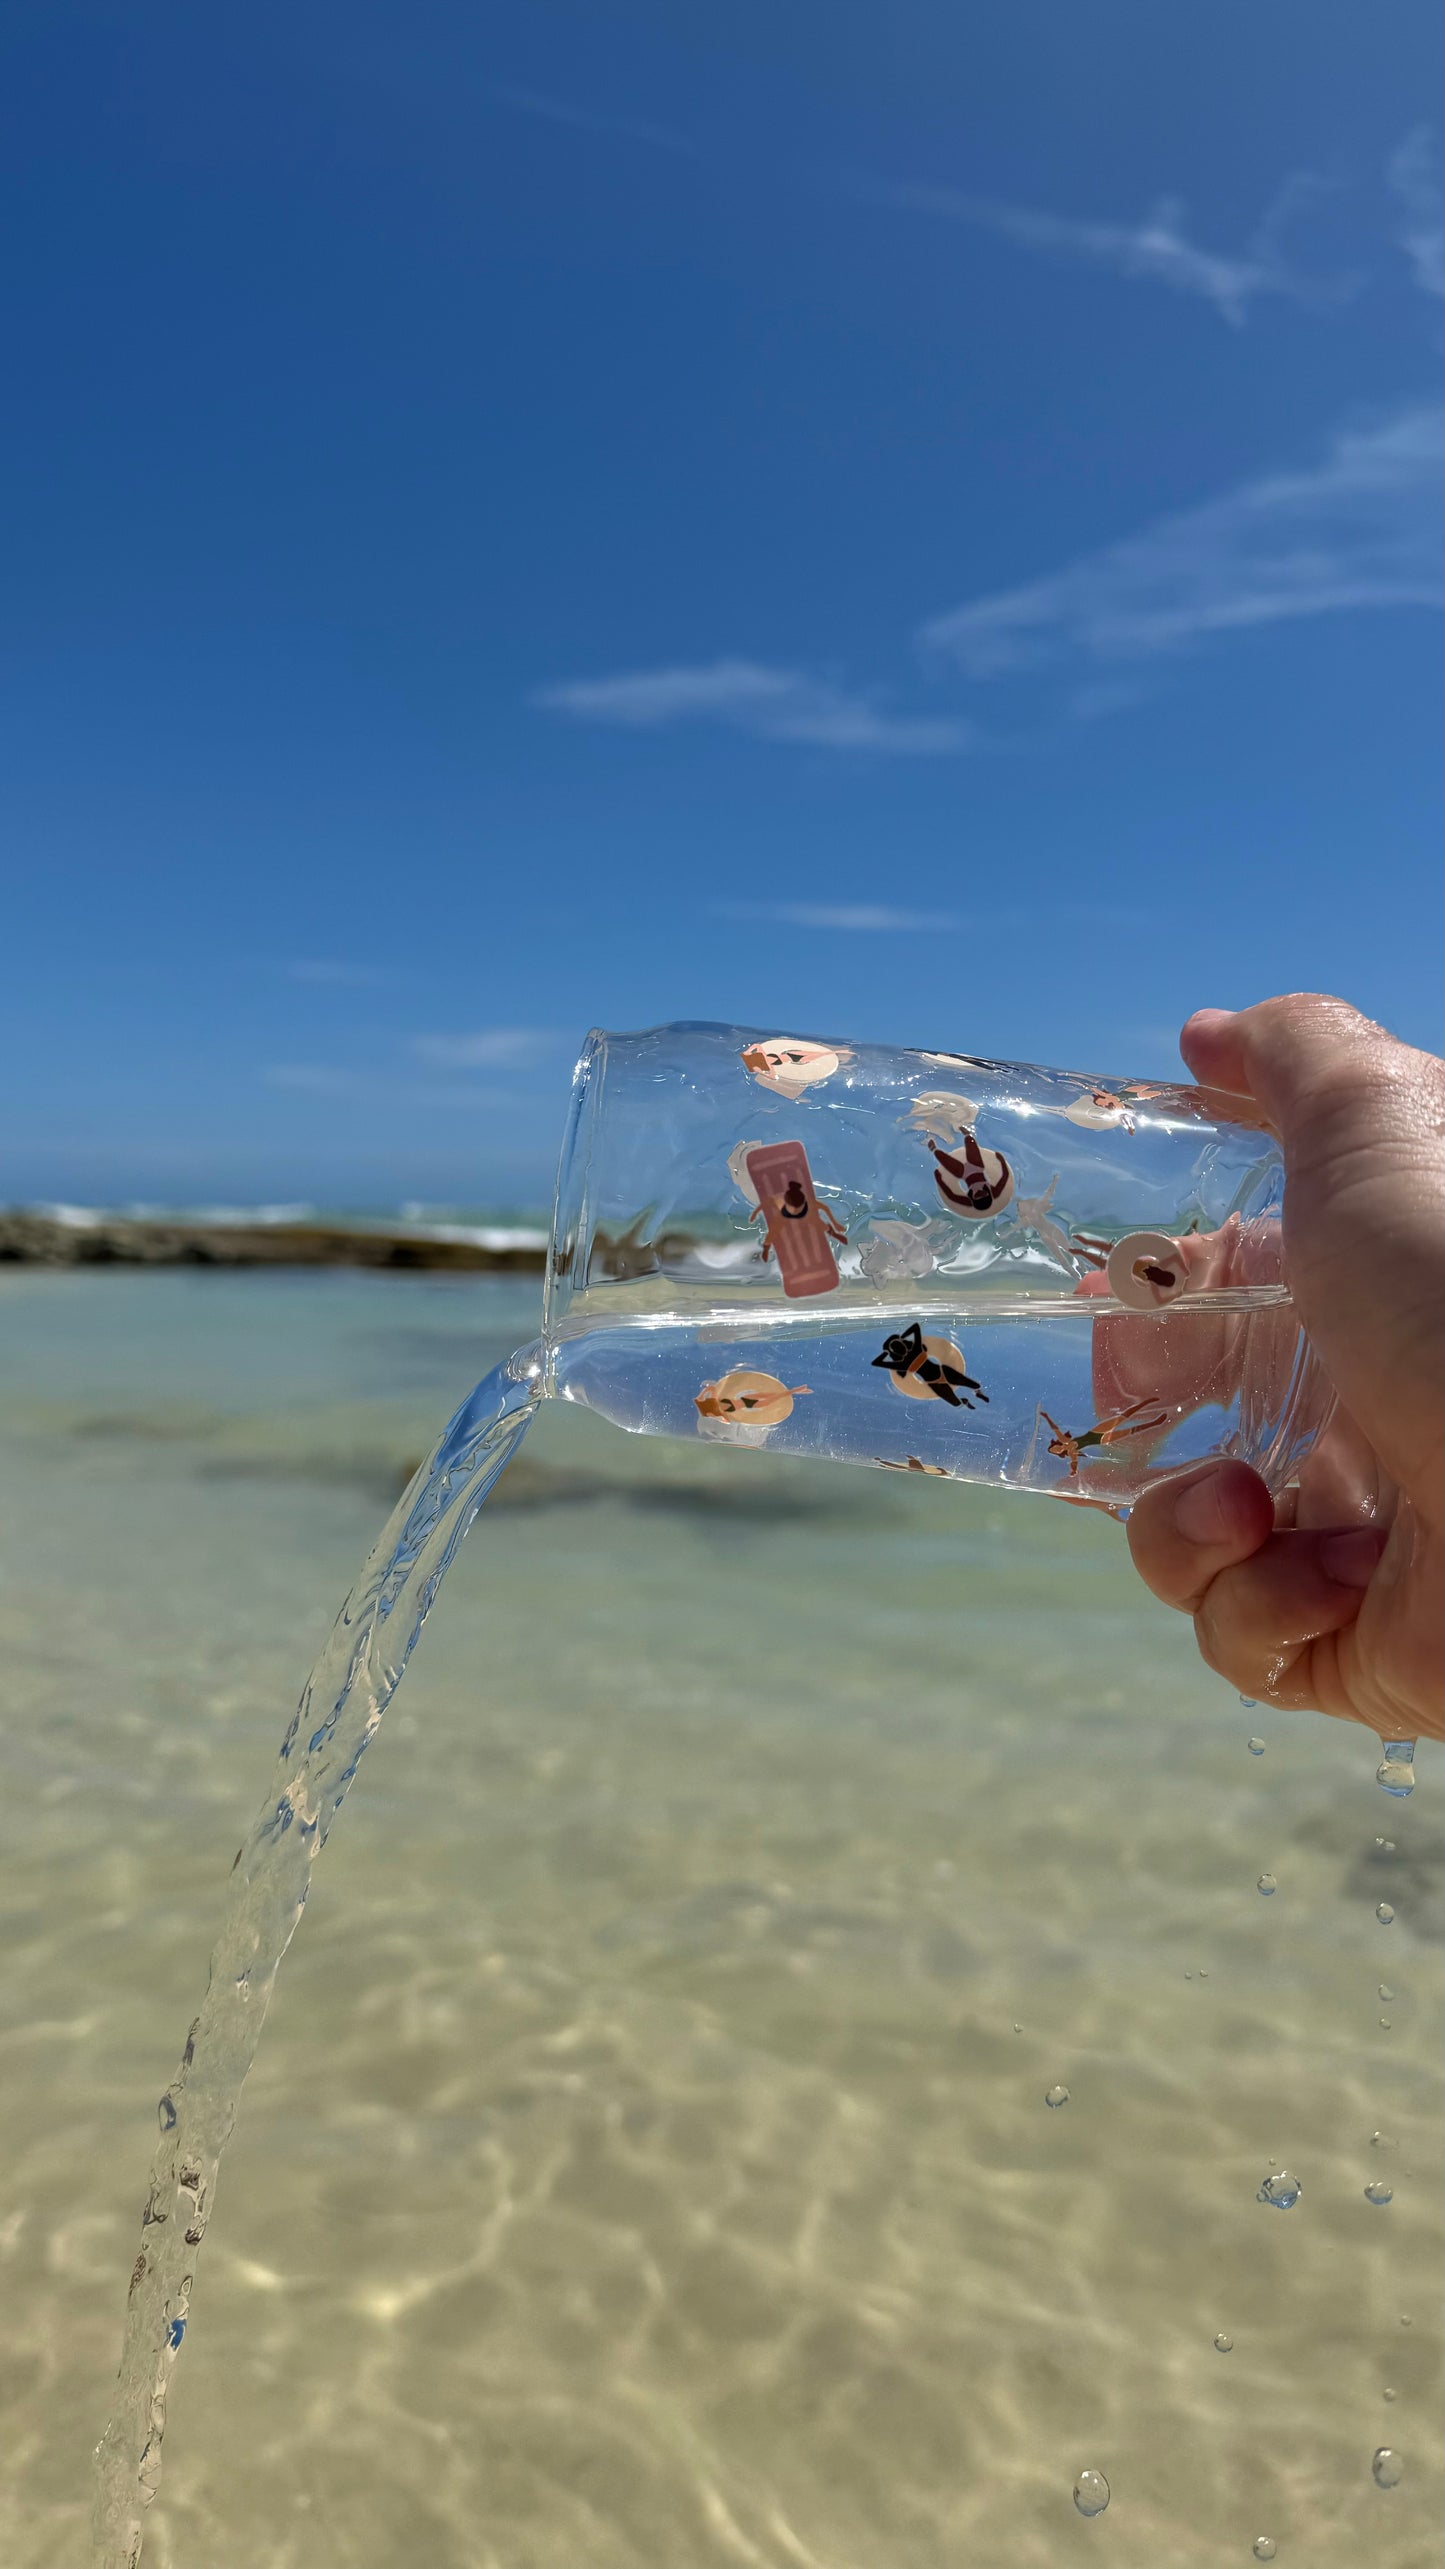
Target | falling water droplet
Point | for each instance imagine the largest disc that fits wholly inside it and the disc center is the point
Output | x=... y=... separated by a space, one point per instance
x=1223 y=2345
x=1282 y=2190
x=1267 y=1885
x=1387 y=2468
x=1263 y=2546
x=1250 y=1703
x=1378 y=2192
x=1387 y=2395
x=1256 y=1748
x=1018 y=2029
x=1396 y=1770
x=1381 y=2141
x=1385 y=2023
x=1385 y=1914
x=1056 y=2096
x=1091 y=2493
x=1204 y=1971
x=1386 y=1993
x=1405 y=2320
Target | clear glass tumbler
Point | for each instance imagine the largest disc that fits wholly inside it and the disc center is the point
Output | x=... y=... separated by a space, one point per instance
x=925 y=1261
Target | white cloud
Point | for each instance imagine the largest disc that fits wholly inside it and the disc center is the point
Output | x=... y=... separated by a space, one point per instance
x=1156 y=249
x=337 y=1086
x=862 y=918
x=587 y=120
x=326 y=975
x=771 y=704
x=316 y=1079
x=490 y=1048
x=856 y=918
x=1414 y=175
x=1359 y=530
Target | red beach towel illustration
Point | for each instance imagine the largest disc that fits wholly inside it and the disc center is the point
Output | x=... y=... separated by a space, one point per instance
x=800 y=1231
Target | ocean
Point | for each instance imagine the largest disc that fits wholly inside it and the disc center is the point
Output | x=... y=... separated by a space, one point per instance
x=647 y=2164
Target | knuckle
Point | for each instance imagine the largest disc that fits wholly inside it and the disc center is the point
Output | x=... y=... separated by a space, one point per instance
x=1311 y=1011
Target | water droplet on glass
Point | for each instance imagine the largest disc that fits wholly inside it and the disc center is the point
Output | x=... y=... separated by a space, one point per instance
x=1056 y=2096
x=1223 y=2345
x=1385 y=1914
x=1091 y=2492
x=1377 y=2192
x=1387 y=2468
x=1386 y=1993
x=1263 y=2546
x=1250 y=1703
x=1266 y=1885
x=1396 y=1771
x=1283 y=2191
x=1256 y=1748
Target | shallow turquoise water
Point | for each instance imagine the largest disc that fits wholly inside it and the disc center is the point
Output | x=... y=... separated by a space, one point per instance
x=641 y=2166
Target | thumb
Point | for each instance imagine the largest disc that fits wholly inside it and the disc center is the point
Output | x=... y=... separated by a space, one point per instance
x=1360 y=1117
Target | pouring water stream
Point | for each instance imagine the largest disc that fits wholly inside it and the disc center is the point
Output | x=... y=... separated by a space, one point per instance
x=340 y=1709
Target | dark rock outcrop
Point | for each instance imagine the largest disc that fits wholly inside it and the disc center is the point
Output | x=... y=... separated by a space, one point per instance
x=37 y=1239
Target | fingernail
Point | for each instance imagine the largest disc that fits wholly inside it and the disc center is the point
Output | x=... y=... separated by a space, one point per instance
x=1197 y=1511
x=1210 y=1018
x=1351 y=1560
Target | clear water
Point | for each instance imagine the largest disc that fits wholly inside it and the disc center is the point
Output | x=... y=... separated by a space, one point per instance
x=341 y=1706
x=641 y=2164
x=1396 y=1770
x=1091 y=2493
x=1043 y=1397
x=1283 y=2190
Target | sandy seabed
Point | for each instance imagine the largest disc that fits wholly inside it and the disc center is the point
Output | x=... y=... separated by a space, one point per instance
x=647 y=2163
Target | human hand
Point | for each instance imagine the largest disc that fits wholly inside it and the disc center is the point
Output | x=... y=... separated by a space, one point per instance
x=1336 y=1602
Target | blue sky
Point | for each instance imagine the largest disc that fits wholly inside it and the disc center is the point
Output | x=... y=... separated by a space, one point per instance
x=917 y=523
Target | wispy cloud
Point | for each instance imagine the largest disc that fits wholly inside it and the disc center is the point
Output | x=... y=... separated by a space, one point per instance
x=323 y=974
x=489 y=1048
x=771 y=704
x=1414 y=175
x=315 y=1079
x=333 y=1084
x=1156 y=250
x=1359 y=530
x=865 y=918
x=589 y=120
x=862 y=918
